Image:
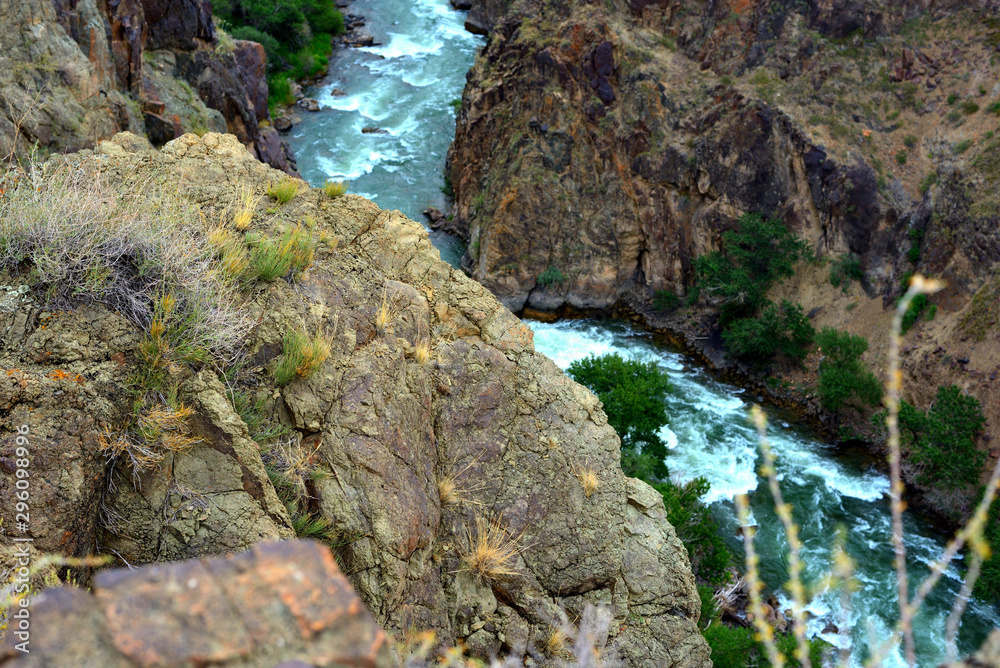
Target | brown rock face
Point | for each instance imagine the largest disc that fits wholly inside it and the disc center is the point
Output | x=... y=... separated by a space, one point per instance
x=181 y=25
x=443 y=387
x=73 y=72
x=274 y=603
x=613 y=162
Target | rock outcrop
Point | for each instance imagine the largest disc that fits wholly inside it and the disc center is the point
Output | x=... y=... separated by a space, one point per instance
x=432 y=417
x=75 y=73
x=276 y=603
x=600 y=149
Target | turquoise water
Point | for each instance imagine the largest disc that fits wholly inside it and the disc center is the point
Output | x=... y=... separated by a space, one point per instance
x=405 y=88
x=709 y=436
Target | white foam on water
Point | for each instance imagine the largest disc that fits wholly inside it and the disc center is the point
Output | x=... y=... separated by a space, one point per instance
x=404 y=46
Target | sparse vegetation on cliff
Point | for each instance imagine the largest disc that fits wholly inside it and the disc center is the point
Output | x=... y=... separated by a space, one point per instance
x=633 y=394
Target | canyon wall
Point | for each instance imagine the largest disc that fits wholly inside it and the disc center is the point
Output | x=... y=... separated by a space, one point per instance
x=74 y=72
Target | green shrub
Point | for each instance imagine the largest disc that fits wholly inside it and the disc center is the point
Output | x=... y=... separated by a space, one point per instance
x=754 y=255
x=696 y=529
x=961 y=147
x=910 y=141
x=929 y=179
x=550 y=275
x=274 y=258
x=901 y=157
x=734 y=647
x=988 y=584
x=283 y=191
x=251 y=34
x=942 y=441
x=842 y=374
x=632 y=393
x=970 y=107
x=783 y=328
x=666 y=301
x=845 y=268
x=913 y=312
x=952 y=98
x=994 y=108
x=916 y=240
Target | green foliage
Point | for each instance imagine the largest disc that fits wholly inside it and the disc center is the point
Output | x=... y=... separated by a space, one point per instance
x=988 y=584
x=737 y=647
x=734 y=647
x=666 y=301
x=845 y=268
x=696 y=529
x=274 y=258
x=942 y=441
x=753 y=256
x=632 y=393
x=301 y=357
x=901 y=157
x=842 y=374
x=284 y=191
x=952 y=98
x=916 y=240
x=783 y=328
x=994 y=108
x=296 y=34
x=961 y=147
x=970 y=107
x=550 y=276
x=929 y=179
x=910 y=141
x=913 y=312
x=334 y=189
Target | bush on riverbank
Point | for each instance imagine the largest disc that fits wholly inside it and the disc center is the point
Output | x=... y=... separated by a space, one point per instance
x=753 y=256
x=633 y=393
x=941 y=442
x=296 y=34
x=842 y=374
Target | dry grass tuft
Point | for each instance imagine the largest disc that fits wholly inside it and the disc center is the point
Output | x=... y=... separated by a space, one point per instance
x=449 y=491
x=386 y=312
x=302 y=356
x=155 y=433
x=557 y=643
x=335 y=189
x=121 y=245
x=284 y=191
x=422 y=352
x=294 y=252
x=588 y=480
x=493 y=551
x=233 y=257
x=246 y=204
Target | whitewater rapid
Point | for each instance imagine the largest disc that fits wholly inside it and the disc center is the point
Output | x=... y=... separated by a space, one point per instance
x=710 y=436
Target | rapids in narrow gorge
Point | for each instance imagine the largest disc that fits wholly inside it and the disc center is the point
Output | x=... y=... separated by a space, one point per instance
x=402 y=91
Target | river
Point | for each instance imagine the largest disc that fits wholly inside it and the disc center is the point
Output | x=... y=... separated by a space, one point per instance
x=405 y=88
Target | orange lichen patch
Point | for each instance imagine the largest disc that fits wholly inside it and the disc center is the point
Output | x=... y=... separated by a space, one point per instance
x=59 y=374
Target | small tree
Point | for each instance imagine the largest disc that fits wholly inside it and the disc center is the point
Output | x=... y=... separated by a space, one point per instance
x=842 y=374
x=632 y=393
x=942 y=440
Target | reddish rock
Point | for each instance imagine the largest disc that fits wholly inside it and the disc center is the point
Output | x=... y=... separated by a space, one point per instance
x=252 y=62
x=278 y=602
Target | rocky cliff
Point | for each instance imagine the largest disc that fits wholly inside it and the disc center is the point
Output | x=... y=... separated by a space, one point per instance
x=431 y=424
x=74 y=72
x=601 y=147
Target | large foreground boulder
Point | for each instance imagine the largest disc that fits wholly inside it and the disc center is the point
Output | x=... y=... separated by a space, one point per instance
x=278 y=602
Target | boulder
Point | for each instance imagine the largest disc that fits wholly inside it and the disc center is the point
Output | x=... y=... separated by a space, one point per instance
x=277 y=603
